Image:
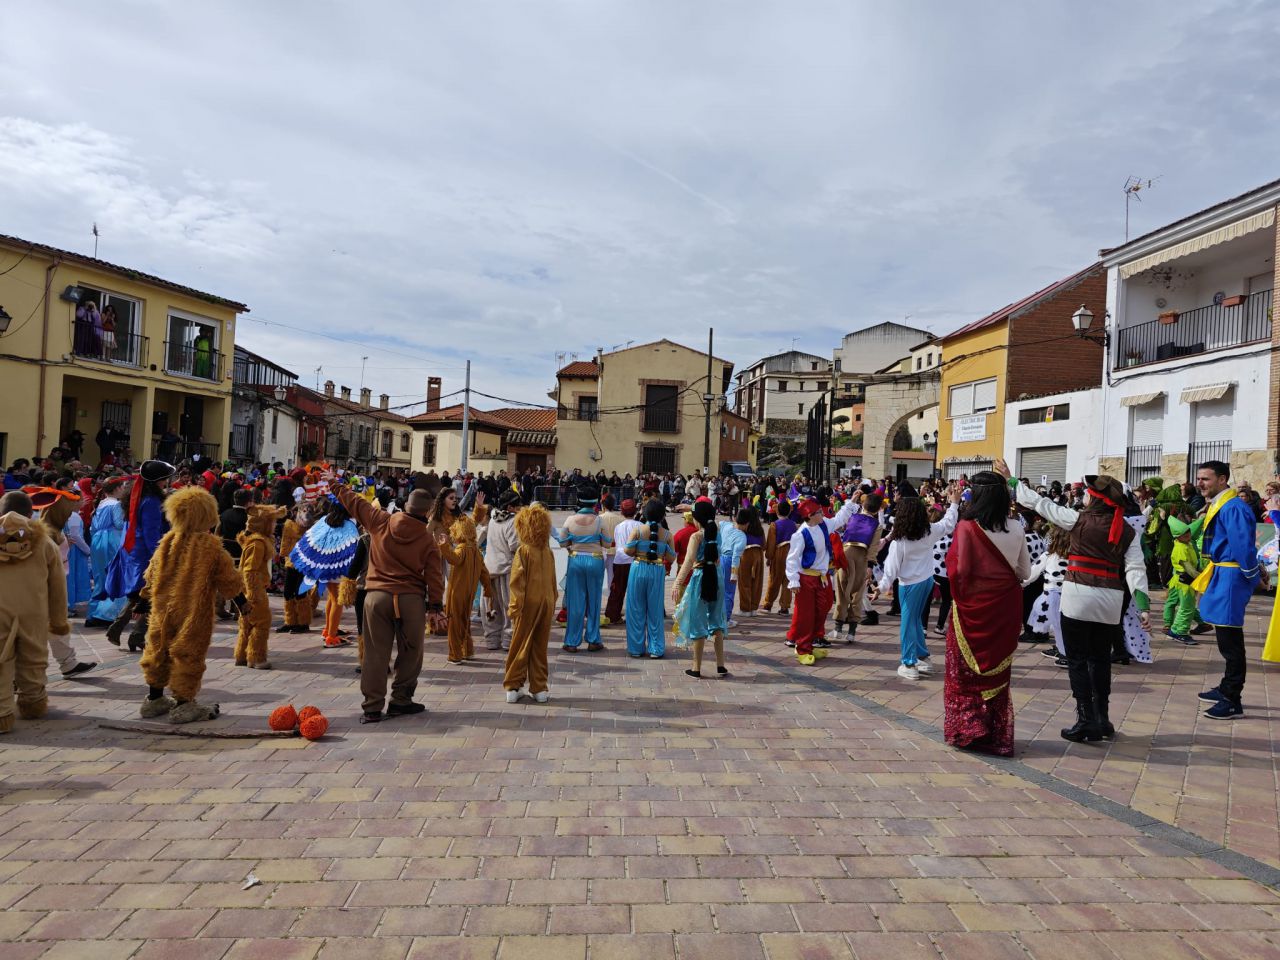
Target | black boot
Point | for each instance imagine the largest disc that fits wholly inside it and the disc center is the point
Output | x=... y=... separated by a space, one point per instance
x=117 y=628
x=1104 y=720
x=1086 y=725
x=852 y=629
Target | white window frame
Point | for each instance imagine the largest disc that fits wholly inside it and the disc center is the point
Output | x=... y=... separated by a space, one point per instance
x=960 y=390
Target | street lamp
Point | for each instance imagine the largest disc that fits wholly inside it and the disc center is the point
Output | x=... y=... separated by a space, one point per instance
x=931 y=448
x=281 y=392
x=1082 y=320
x=4 y=320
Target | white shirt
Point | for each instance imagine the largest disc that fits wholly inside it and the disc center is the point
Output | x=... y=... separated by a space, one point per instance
x=911 y=561
x=622 y=534
x=821 y=536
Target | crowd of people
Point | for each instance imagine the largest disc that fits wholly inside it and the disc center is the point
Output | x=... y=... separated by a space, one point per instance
x=154 y=555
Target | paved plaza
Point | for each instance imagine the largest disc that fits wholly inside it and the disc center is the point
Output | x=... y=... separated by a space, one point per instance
x=780 y=813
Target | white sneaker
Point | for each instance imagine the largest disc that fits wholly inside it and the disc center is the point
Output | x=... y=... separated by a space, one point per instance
x=908 y=673
x=513 y=696
x=542 y=697
x=923 y=667
x=731 y=623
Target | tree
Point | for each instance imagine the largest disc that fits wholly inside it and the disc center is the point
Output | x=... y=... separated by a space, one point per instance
x=902 y=438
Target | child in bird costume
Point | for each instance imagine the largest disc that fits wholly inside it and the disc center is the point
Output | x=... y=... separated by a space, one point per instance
x=323 y=556
x=256 y=549
x=468 y=570
x=188 y=574
x=533 y=605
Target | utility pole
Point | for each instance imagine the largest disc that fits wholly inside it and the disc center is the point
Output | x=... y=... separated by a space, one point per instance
x=363 y=361
x=707 y=397
x=466 y=419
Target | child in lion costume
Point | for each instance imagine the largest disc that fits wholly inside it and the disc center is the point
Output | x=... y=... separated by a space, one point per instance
x=533 y=605
x=189 y=572
x=257 y=545
x=468 y=571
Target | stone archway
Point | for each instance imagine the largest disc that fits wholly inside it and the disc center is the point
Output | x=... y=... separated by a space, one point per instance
x=892 y=400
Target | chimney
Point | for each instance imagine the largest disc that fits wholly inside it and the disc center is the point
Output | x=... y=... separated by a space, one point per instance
x=328 y=389
x=384 y=401
x=366 y=397
x=433 y=394
x=346 y=393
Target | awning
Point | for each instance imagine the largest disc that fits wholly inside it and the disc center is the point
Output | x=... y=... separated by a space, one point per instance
x=1210 y=391
x=1140 y=399
x=1258 y=221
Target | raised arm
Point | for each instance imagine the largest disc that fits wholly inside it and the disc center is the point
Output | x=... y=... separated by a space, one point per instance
x=374 y=519
x=947 y=524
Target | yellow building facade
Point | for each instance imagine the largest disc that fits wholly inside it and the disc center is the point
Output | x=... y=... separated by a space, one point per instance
x=91 y=345
x=641 y=410
x=971 y=402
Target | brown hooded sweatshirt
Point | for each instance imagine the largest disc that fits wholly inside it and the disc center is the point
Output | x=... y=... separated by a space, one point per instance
x=403 y=556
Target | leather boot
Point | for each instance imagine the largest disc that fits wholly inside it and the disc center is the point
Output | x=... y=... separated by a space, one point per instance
x=1086 y=725
x=853 y=630
x=1102 y=707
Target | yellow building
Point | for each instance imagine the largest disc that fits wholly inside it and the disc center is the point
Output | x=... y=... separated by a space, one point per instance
x=1026 y=349
x=91 y=345
x=640 y=410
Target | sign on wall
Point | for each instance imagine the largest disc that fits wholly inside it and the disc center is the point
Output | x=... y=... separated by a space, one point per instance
x=968 y=429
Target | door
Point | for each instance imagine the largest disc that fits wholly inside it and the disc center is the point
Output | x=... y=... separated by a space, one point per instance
x=1037 y=462
x=192 y=418
x=68 y=418
x=531 y=461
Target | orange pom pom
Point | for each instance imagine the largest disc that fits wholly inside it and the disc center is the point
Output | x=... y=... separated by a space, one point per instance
x=314 y=727
x=283 y=718
x=308 y=711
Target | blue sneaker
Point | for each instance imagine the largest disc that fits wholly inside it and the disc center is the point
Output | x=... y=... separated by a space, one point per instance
x=1224 y=710
x=1185 y=639
x=1212 y=696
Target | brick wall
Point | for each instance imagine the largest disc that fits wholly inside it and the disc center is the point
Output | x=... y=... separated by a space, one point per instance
x=1066 y=362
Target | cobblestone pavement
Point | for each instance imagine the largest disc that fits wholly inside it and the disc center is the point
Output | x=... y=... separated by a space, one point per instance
x=777 y=813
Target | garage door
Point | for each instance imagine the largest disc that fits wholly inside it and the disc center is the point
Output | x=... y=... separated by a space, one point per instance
x=1037 y=462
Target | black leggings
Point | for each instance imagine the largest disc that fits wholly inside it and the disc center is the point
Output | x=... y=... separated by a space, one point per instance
x=292 y=581
x=1231 y=646
x=944 y=603
x=1088 y=649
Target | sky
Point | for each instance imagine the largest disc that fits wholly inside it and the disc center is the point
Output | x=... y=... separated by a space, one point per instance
x=426 y=184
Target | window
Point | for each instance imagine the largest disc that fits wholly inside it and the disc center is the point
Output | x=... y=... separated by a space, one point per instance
x=116 y=335
x=660 y=408
x=814 y=365
x=782 y=386
x=918 y=363
x=429 y=451
x=822 y=386
x=800 y=409
x=1057 y=411
x=404 y=442
x=857 y=418
x=588 y=408
x=386 y=443
x=191 y=348
x=657 y=460
x=976 y=397
x=275 y=425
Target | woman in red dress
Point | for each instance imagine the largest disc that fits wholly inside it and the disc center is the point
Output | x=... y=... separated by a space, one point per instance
x=987 y=563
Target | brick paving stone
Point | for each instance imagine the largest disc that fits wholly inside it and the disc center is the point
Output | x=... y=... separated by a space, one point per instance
x=454 y=948
x=671 y=918
x=806 y=946
x=590 y=919
x=720 y=946
x=631 y=947
x=164 y=924
x=106 y=950
x=506 y=920
x=892 y=946
x=979 y=946
x=380 y=948
x=754 y=918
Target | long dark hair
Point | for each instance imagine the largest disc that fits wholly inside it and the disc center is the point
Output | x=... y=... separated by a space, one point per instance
x=747 y=517
x=337 y=515
x=989 y=506
x=656 y=515
x=705 y=514
x=910 y=519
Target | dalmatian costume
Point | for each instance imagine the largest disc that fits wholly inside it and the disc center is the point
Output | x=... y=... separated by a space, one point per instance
x=1136 y=640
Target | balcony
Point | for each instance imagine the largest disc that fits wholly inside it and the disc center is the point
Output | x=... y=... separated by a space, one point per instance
x=198 y=363
x=125 y=349
x=176 y=451
x=1202 y=330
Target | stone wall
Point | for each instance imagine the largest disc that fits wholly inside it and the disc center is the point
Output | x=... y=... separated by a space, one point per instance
x=1257 y=467
x=786 y=429
x=1173 y=467
x=1112 y=466
x=888 y=406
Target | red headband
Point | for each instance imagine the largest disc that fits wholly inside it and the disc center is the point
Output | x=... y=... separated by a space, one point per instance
x=1117 y=518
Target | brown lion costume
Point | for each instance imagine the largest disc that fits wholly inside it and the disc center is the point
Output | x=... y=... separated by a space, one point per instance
x=33 y=604
x=257 y=544
x=189 y=572
x=533 y=603
x=468 y=572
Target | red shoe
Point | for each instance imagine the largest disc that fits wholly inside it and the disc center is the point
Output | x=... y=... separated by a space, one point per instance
x=336 y=642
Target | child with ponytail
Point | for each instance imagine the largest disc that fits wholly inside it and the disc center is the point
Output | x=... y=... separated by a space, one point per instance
x=649 y=547
x=699 y=592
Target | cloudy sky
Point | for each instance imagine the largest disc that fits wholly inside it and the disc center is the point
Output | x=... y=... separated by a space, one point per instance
x=426 y=183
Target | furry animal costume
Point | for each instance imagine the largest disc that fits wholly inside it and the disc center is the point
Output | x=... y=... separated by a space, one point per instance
x=33 y=604
x=290 y=534
x=256 y=548
x=187 y=575
x=533 y=602
x=468 y=570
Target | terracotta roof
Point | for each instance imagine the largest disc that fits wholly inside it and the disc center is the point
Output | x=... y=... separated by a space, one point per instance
x=376 y=412
x=526 y=418
x=588 y=369
x=453 y=414
x=1021 y=306
x=72 y=257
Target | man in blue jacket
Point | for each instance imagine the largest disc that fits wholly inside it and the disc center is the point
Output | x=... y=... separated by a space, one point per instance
x=1227 y=582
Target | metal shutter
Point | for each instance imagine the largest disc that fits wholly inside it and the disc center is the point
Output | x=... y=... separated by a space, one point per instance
x=1036 y=462
x=1147 y=425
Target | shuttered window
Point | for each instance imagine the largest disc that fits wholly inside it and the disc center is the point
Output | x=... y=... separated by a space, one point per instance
x=1146 y=424
x=1037 y=462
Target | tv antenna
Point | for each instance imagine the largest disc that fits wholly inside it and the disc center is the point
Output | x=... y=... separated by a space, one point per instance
x=318 y=369
x=1132 y=190
x=95 y=239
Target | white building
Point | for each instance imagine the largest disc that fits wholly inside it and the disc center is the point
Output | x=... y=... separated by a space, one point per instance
x=777 y=393
x=1053 y=437
x=264 y=424
x=1191 y=367
x=876 y=347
